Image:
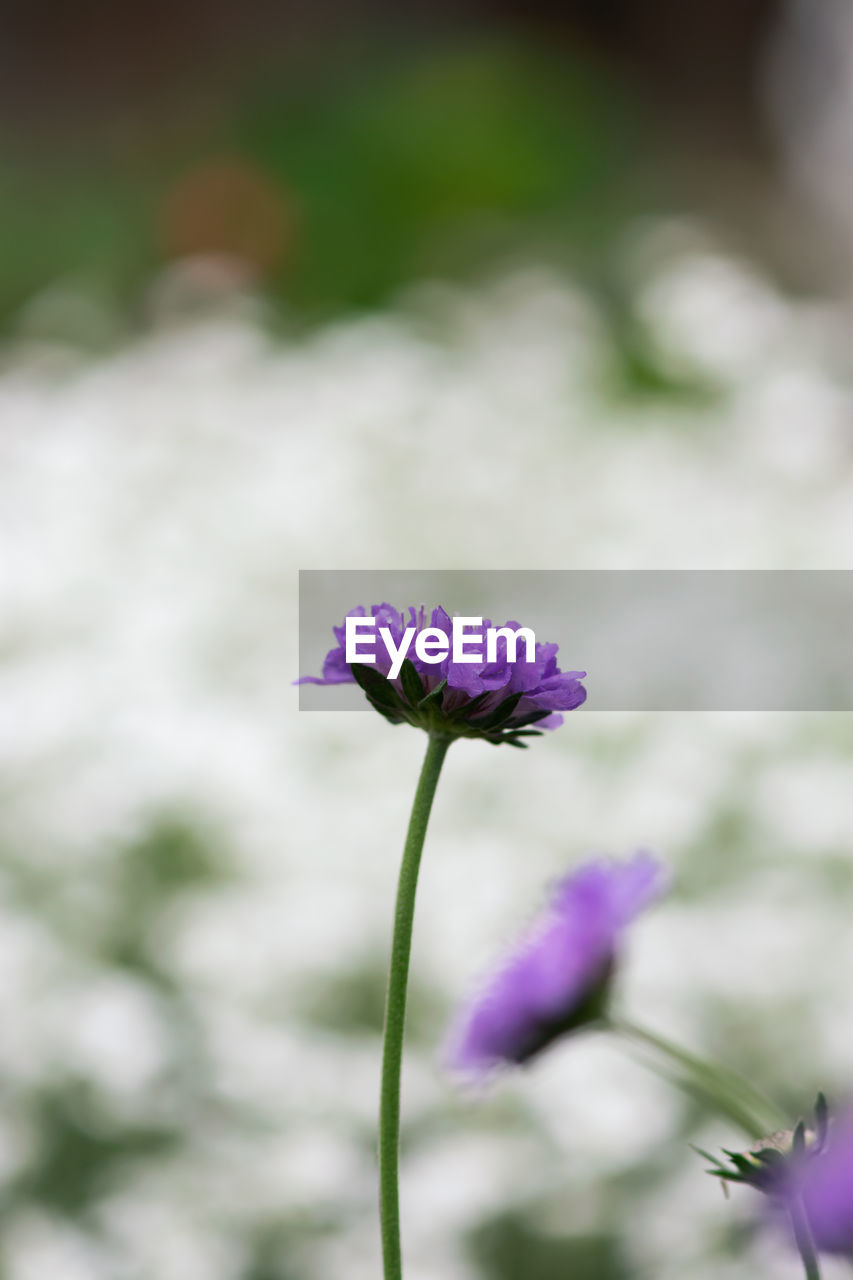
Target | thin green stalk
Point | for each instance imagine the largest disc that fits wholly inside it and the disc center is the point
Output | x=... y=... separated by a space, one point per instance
x=395 y=1009
x=727 y=1092
x=803 y=1237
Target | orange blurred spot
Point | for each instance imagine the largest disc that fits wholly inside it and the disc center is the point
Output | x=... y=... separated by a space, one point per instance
x=228 y=207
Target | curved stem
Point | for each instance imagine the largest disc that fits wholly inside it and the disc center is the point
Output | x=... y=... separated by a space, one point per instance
x=727 y=1091
x=395 y=1009
x=803 y=1238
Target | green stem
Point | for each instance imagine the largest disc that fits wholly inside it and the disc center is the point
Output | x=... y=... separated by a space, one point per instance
x=395 y=1009
x=727 y=1092
x=803 y=1237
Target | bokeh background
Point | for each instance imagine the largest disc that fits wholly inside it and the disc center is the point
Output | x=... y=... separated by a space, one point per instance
x=554 y=285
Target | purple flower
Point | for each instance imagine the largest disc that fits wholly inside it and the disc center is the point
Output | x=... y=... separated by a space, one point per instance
x=558 y=977
x=498 y=700
x=823 y=1180
x=806 y=1173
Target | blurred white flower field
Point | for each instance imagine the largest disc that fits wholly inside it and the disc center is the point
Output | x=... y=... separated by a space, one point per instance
x=196 y=880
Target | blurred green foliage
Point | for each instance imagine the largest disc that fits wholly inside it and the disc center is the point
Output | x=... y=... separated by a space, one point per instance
x=354 y=1002
x=510 y=1246
x=80 y=1149
x=436 y=162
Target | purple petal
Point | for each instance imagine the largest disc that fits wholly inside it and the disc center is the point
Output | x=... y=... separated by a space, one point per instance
x=561 y=692
x=561 y=962
x=825 y=1185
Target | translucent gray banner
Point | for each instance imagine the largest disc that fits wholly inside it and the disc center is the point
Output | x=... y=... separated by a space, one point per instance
x=656 y=640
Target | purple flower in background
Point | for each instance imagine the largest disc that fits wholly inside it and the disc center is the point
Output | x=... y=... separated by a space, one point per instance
x=823 y=1180
x=807 y=1175
x=415 y=678
x=558 y=977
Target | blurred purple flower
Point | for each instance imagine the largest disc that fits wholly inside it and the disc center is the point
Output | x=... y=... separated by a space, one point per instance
x=807 y=1175
x=558 y=977
x=823 y=1180
x=499 y=701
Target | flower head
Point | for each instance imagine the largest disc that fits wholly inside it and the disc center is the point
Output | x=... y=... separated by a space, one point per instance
x=823 y=1179
x=804 y=1171
x=498 y=700
x=558 y=978
x=770 y=1164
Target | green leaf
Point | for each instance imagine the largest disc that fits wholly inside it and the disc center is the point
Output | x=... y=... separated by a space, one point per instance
x=742 y=1163
x=434 y=694
x=467 y=707
x=798 y=1143
x=412 y=684
x=377 y=688
x=531 y=718
x=500 y=714
x=391 y=716
x=706 y=1155
x=769 y=1155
